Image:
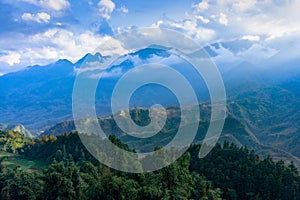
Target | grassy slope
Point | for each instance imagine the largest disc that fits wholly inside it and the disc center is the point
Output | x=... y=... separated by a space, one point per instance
x=14 y=160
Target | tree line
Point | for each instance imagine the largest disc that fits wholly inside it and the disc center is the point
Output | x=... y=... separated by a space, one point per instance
x=228 y=172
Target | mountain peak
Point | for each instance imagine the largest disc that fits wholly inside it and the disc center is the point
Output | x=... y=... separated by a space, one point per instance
x=90 y=58
x=63 y=61
x=16 y=127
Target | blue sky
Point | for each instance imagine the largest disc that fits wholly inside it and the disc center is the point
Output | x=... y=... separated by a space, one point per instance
x=43 y=31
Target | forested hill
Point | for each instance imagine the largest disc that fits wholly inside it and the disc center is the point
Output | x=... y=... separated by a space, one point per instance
x=235 y=131
x=228 y=172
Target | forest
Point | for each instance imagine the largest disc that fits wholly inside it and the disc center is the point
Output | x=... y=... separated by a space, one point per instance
x=71 y=172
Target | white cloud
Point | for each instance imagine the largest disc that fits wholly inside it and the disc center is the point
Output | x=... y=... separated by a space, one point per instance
x=39 y=55
x=47 y=47
x=157 y=24
x=189 y=27
x=10 y=58
x=41 y=17
x=264 y=18
x=223 y=19
x=261 y=21
x=67 y=44
x=257 y=53
x=203 y=20
x=106 y=7
x=53 y=44
x=202 y=6
x=123 y=9
x=244 y=5
x=56 y=5
x=224 y=55
x=253 y=38
x=205 y=35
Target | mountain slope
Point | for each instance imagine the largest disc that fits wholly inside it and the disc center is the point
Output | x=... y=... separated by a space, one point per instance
x=41 y=96
x=234 y=131
x=17 y=128
x=264 y=98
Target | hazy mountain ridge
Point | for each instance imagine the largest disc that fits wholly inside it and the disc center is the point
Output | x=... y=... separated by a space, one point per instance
x=41 y=96
x=18 y=128
x=234 y=131
x=263 y=98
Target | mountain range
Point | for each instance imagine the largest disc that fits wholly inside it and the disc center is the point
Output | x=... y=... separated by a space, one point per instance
x=263 y=99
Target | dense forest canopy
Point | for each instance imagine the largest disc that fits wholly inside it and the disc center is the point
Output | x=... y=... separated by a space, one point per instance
x=228 y=172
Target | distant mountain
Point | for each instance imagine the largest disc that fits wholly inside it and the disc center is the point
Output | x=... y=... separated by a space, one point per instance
x=272 y=113
x=41 y=96
x=37 y=96
x=234 y=131
x=18 y=128
x=264 y=98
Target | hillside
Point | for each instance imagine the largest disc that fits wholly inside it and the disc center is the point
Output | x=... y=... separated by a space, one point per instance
x=263 y=99
x=234 y=131
x=228 y=172
x=272 y=114
x=17 y=128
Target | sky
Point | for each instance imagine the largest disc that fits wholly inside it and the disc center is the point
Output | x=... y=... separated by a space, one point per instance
x=42 y=31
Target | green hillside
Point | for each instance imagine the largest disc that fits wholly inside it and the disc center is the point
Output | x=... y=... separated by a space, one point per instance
x=228 y=172
x=272 y=115
x=238 y=129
